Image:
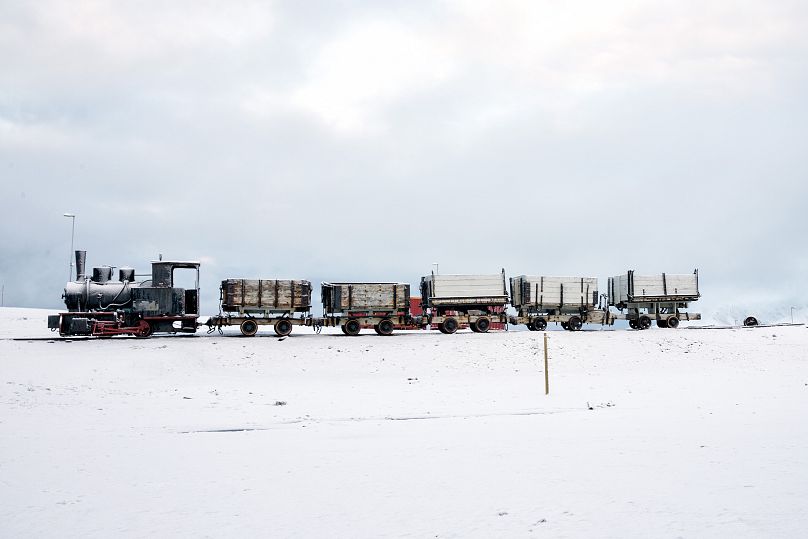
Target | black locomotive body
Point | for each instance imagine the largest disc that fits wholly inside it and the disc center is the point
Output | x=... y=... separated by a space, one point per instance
x=102 y=307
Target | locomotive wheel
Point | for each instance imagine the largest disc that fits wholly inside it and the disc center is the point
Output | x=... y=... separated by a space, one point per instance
x=146 y=330
x=283 y=327
x=672 y=322
x=450 y=325
x=662 y=323
x=385 y=327
x=575 y=323
x=352 y=328
x=644 y=322
x=540 y=324
x=632 y=324
x=482 y=324
x=249 y=328
x=750 y=321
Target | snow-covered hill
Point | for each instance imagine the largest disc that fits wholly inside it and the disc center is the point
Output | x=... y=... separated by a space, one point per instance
x=773 y=314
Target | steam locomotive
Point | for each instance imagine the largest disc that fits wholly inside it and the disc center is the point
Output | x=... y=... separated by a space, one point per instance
x=103 y=307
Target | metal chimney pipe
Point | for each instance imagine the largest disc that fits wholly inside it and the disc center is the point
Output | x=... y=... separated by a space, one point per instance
x=81 y=261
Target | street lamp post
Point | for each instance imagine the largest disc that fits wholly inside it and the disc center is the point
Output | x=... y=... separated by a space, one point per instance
x=72 y=216
x=792 y=314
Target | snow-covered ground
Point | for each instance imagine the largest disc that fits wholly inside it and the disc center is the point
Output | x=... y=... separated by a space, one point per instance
x=661 y=433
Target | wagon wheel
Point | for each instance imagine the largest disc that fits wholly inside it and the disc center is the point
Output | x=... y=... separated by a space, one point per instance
x=450 y=325
x=473 y=327
x=662 y=323
x=540 y=324
x=352 y=328
x=531 y=327
x=441 y=328
x=342 y=327
x=283 y=327
x=565 y=325
x=750 y=321
x=482 y=324
x=145 y=330
x=633 y=324
x=673 y=322
x=575 y=323
x=385 y=327
x=644 y=322
x=249 y=328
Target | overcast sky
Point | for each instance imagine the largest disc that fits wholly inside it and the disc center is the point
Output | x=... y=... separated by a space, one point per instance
x=367 y=140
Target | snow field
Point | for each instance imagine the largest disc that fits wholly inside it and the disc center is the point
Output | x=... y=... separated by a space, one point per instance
x=692 y=433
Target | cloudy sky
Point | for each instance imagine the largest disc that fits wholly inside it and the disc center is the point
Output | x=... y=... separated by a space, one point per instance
x=367 y=140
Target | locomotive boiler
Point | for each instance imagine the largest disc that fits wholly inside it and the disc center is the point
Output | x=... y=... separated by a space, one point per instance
x=101 y=306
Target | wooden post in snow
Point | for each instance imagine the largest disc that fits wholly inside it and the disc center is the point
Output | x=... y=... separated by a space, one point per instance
x=546 y=371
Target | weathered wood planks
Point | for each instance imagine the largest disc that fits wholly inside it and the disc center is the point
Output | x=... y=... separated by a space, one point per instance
x=266 y=295
x=345 y=297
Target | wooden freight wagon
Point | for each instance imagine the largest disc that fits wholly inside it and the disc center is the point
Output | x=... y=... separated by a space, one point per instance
x=451 y=301
x=265 y=296
x=569 y=301
x=659 y=297
x=353 y=306
x=250 y=303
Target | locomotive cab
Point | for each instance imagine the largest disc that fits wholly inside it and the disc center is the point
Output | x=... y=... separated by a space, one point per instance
x=163 y=277
x=165 y=304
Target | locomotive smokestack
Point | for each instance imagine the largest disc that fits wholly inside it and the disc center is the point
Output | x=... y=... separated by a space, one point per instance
x=81 y=261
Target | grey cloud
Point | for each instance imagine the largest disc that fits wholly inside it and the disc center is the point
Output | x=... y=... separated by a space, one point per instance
x=575 y=163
